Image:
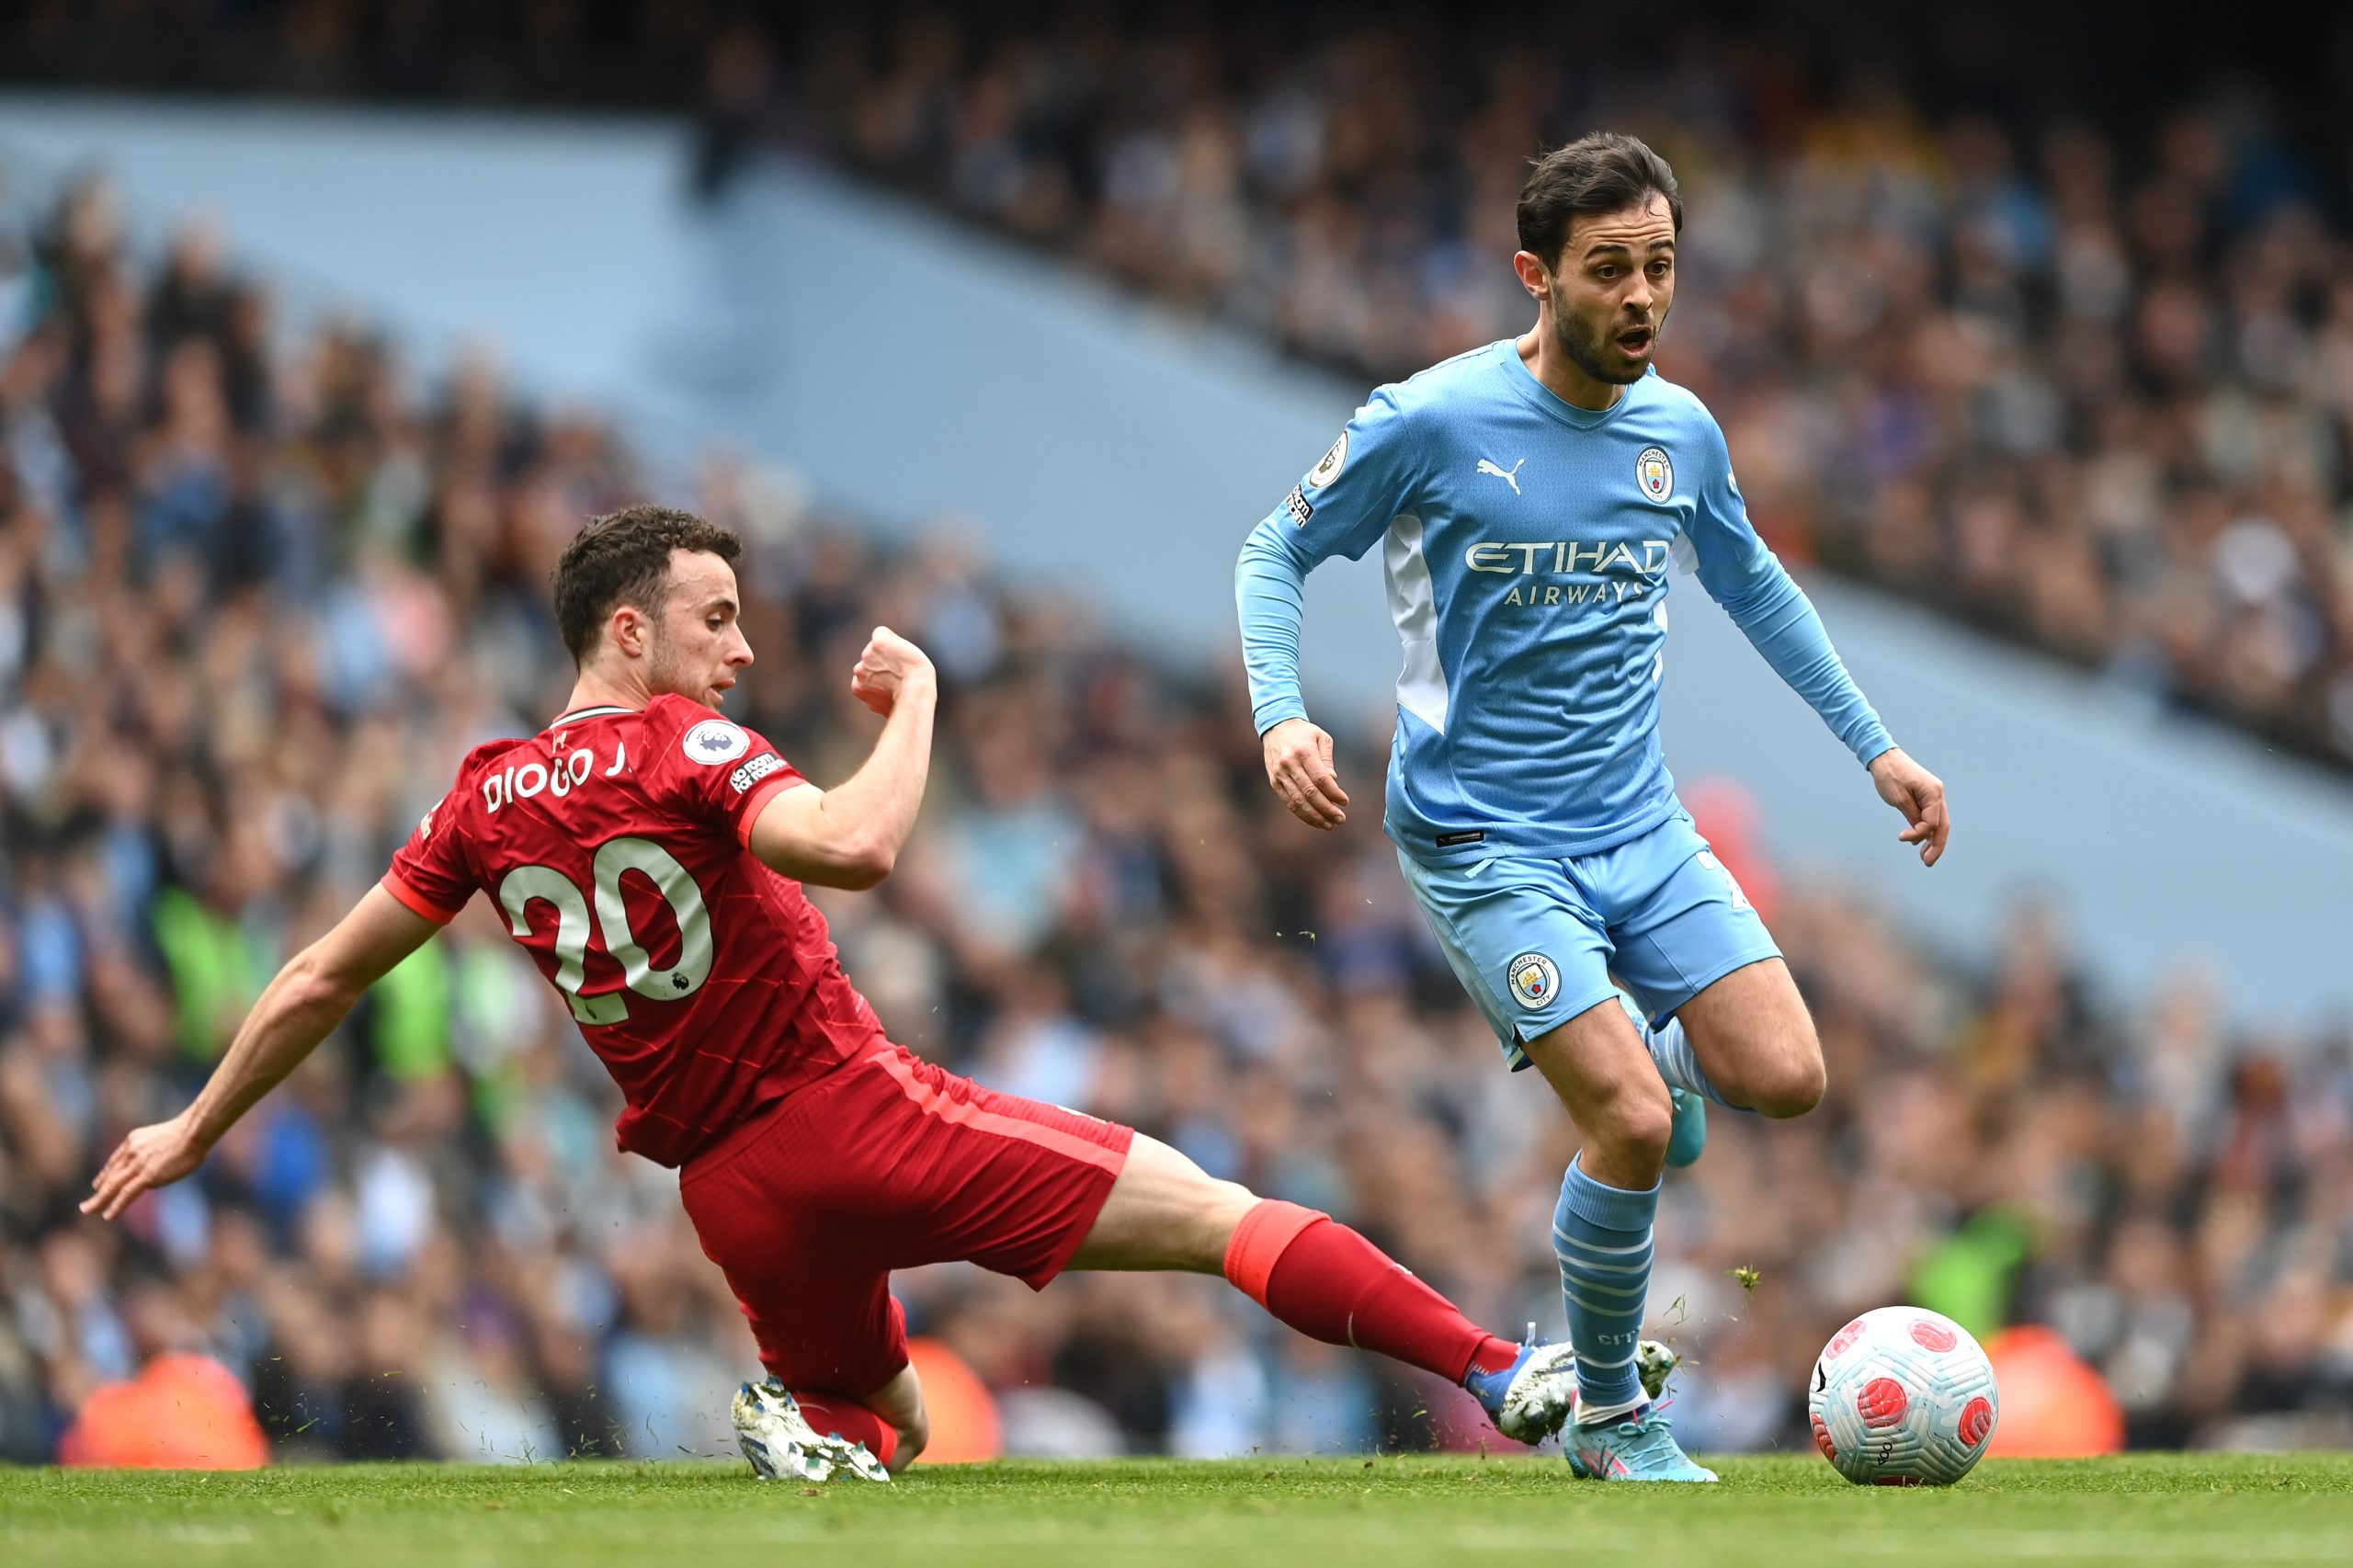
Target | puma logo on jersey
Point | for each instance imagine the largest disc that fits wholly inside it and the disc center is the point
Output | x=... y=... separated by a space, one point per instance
x=1508 y=475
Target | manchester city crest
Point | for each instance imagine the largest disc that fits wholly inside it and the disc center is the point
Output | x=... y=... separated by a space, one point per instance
x=1535 y=979
x=1655 y=471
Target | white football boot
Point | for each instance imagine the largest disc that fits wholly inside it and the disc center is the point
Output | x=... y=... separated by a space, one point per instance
x=1536 y=1394
x=1654 y=1364
x=782 y=1444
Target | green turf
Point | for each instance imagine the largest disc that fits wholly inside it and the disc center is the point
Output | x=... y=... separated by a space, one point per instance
x=1298 y=1514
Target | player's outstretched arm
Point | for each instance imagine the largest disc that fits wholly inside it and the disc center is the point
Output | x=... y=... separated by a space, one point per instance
x=1781 y=623
x=850 y=836
x=295 y=1011
x=1343 y=506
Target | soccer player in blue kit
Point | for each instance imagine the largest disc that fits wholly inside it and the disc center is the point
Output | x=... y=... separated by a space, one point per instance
x=1528 y=497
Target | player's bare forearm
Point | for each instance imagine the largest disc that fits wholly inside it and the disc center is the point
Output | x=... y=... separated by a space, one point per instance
x=850 y=836
x=878 y=804
x=299 y=1006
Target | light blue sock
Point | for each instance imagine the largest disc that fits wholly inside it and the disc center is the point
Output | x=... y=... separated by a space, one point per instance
x=1602 y=1236
x=1678 y=1064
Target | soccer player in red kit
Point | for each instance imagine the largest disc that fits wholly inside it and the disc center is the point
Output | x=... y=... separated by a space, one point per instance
x=649 y=854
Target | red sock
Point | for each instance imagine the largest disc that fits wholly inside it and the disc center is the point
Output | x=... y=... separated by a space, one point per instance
x=1331 y=1284
x=834 y=1415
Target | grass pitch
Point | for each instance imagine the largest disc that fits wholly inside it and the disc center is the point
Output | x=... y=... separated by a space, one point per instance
x=1298 y=1514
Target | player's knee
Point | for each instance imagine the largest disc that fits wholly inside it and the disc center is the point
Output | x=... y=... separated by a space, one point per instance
x=1799 y=1094
x=1791 y=1086
x=1636 y=1124
x=1164 y=1211
x=1647 y=1133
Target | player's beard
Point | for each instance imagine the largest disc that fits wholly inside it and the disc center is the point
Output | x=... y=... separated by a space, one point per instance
x=1587 y=345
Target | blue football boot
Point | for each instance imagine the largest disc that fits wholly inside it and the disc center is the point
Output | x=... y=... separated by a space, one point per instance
x=1690 y=1137
x=1639 y=1446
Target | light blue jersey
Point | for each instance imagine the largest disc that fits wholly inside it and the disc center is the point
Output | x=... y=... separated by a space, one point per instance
x=1527 y=543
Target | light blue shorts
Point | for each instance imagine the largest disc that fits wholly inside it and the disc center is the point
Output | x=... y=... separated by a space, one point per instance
x=1536 y=942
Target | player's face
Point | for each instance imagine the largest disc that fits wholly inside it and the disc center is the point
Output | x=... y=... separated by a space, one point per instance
x=1611 y=289
x=697 y=647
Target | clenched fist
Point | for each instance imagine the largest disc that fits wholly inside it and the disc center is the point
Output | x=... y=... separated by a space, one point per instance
x=890 y=665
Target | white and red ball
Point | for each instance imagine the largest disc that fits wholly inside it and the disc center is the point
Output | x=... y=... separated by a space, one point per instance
x=1903 y=1397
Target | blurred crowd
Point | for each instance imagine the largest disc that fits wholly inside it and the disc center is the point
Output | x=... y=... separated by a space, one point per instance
x=2094 y=392
x=2088 y=381
x=261 y=585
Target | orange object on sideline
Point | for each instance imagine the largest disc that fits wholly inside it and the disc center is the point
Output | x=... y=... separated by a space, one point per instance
x=2054 y=1405
x=964 y=1427
x=181 y=1412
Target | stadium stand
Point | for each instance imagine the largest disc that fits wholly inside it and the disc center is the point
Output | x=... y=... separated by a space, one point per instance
x=255 y=601
x=2088 y=384
x=2097 y=397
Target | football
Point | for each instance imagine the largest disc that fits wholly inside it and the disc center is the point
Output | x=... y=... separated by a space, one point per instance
x=1903 y=1397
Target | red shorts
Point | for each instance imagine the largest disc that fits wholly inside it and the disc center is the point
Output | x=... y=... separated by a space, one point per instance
x=888 y=1163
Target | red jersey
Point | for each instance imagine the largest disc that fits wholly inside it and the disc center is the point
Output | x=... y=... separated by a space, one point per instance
x=617 y=844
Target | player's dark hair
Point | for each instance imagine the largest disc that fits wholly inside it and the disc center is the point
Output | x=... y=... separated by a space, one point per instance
x=1601 y=172
x=623 y=558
